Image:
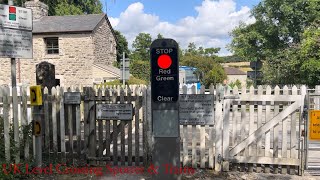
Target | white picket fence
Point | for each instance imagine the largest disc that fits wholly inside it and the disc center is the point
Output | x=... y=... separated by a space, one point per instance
x=259 y=131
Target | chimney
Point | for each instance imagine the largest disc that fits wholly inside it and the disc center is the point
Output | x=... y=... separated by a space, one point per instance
x=39 y=9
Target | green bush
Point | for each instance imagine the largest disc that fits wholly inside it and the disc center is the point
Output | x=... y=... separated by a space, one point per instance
x=236 y=83
x=117 y=82
x=140 y=69
x=26 y=131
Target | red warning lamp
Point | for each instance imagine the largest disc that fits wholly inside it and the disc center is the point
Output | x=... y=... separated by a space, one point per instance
x=12 y=9
x=12 y=13
x=164 y=61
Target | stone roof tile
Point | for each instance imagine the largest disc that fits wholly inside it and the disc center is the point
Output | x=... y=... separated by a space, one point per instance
x=59 y=24
x=233 y=71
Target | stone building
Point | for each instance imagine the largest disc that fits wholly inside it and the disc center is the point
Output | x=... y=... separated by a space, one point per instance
x=82 y=48
x=234 y=74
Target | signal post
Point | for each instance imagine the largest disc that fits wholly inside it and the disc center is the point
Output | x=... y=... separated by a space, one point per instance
x=165 y=108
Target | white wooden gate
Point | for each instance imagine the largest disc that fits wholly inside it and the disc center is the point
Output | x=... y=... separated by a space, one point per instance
x=262 y=129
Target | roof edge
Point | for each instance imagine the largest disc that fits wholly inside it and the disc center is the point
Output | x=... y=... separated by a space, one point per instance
x=63 y=32
x=104 y=69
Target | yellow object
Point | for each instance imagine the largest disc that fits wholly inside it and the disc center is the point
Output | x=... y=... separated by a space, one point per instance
x=314 y=125
x=35 y=95
x=37 y=128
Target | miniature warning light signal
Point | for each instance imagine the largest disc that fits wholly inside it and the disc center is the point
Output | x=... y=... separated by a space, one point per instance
x=164 y=61
x=12 y=13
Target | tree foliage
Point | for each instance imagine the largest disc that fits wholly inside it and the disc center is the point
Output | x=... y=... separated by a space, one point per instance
x=284 y=36
x=76 y=7
x=160 y=36
x=140 y=69
x=67 y=7
x=232 y=58
x=141 y=47
x=192 y=50
x=208 y=68
x=122 y=45
x=236 y=83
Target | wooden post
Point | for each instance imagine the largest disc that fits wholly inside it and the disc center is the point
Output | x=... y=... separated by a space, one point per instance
x=115 y=132
x=211 y=136
x=78 y=127
x=86 y=120
x=293 y=135
x=6 y=123
x=259 y=124
x=107 y=99
x=24 y=119
x=129 y=130
x=100 y=128
x=149 y=124
x=203 y=128
x=218 y=134
x=268 y=133
x=92 y=126
x=235 y=123
x=144 y=127
x=185 y=159
x=54 y=120
x=70 y=129
x=226 y=136
x=276 y=131
x=122 y=130
x=136 y=142
x=62 y=126
x=243 y=129
x=194 y=137
x=284 y=134
x=252 y=128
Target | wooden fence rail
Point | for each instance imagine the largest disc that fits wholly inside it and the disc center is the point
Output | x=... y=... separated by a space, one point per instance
x=257 y=129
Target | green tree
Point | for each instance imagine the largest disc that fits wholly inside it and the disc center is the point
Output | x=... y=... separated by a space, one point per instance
x=67 y=7
x=236 y=83
x=192 y=49
x=64 y=8
x=141 y=47
x=76 y=7
x=278 y=37
x=206 y=61
x=140 y=69
x=160 y=36
x=200 y=51
x=208 y=70
x=122 y=45
x=298 y=64
x=279 y=24
x=310 y=55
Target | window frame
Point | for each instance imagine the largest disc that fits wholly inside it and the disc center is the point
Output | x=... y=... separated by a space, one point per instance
x=53 y=47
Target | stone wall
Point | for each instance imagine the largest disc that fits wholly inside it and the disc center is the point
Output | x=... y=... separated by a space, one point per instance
x=77 y=53
x=234 y=78
x=5 y=71
x=39 y=9
x=105 y=45
x=74 y=61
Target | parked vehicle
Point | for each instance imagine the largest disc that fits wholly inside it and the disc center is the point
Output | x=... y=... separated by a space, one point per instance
x=189 y=77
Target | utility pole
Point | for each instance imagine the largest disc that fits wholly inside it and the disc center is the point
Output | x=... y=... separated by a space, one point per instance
x=123 y=69
x=15 y=102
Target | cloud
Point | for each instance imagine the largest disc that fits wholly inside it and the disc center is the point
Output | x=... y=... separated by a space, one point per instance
x=209 y=28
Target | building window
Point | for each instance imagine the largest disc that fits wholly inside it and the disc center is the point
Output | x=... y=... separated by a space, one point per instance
x=52 y=45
